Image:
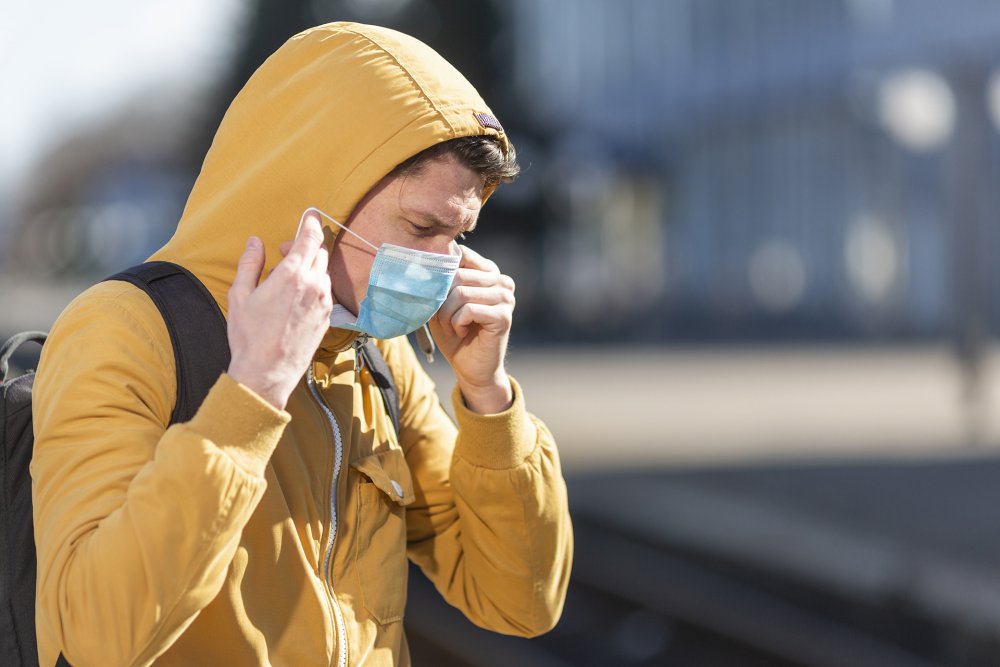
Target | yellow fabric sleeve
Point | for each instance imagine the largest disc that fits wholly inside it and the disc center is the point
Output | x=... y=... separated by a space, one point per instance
x=490 y=525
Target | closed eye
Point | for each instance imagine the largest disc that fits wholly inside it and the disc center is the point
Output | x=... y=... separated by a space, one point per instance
x=429 y=230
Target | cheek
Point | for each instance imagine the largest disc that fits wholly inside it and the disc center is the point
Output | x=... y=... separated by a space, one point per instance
x=350 y=267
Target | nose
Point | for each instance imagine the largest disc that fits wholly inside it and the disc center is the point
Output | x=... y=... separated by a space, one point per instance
x=441 y=246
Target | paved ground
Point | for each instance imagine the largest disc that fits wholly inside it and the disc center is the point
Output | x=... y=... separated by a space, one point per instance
x=625 y=406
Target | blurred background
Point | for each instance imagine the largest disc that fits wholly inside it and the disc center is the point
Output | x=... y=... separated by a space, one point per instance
x=754 y=247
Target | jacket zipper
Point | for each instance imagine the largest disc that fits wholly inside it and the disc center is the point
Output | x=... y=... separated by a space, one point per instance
x=338 y=461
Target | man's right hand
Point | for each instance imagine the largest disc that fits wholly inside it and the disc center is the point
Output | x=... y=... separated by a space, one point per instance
x=275 y=326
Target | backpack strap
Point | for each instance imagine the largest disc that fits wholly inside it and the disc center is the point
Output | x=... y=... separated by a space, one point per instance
x=197 y=333
x=372 y=358
x=17 y=340
x=196 y=326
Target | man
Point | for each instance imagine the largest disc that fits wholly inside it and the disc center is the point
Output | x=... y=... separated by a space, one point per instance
x=274 y=527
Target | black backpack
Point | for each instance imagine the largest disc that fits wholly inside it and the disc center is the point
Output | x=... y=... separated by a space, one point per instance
x=201 y=352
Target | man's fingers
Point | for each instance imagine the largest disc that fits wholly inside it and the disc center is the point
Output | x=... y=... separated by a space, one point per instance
x=479 y=295
x=307 y=241
x=285 y=247
x=441 y=326
x=248 y=268
x=464 y=294
x=480 y=278
x=321 y=260
x=490 y=318
x=472 y=259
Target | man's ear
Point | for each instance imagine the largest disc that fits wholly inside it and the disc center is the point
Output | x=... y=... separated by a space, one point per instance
x=488 y=189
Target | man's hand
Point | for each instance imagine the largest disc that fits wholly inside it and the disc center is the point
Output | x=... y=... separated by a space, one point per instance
x=275 y=327
x=471 y=330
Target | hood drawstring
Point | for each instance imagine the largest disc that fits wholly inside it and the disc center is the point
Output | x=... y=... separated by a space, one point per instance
x=426 y=342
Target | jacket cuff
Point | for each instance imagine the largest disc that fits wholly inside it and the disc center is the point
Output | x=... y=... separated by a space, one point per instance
x=499 y=441
x=240 y=423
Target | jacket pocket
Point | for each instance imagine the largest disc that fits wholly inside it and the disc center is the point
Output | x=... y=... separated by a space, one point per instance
x=385 y=489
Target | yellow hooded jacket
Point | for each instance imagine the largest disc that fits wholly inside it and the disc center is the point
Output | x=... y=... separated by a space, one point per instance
x=254 y=536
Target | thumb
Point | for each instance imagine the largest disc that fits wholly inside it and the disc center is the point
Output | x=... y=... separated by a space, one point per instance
x=441 y=328
x=248 y=268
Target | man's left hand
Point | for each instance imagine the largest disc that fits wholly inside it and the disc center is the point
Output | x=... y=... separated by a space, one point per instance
x=471 y=330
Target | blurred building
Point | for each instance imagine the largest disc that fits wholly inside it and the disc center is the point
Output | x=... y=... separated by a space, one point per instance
x=726 y=170
x=693 y=169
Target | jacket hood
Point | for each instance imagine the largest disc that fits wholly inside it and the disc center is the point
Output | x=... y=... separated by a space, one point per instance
x=327 y=116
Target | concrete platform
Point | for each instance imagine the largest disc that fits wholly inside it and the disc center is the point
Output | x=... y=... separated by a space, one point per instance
x=623 y=406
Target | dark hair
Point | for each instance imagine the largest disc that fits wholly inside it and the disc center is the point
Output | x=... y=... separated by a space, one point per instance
x=482 y=154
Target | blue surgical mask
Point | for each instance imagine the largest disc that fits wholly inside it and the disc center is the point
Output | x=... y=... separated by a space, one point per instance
x=405 y=288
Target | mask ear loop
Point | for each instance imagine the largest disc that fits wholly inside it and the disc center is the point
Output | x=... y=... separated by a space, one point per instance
x=352 y=233
x=423 y=334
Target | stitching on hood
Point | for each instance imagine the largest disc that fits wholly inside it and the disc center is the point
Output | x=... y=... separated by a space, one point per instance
x=419 y=86
x=438 y=109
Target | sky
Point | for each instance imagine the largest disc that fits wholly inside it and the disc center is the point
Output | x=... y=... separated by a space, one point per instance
x=65 y=62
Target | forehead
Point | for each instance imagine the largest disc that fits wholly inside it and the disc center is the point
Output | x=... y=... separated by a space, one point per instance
x=445 y=189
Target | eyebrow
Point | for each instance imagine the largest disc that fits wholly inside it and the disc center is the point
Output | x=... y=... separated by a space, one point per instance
x=440 y=222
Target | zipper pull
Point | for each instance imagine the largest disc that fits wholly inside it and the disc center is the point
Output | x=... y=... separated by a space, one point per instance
x=359 y=358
